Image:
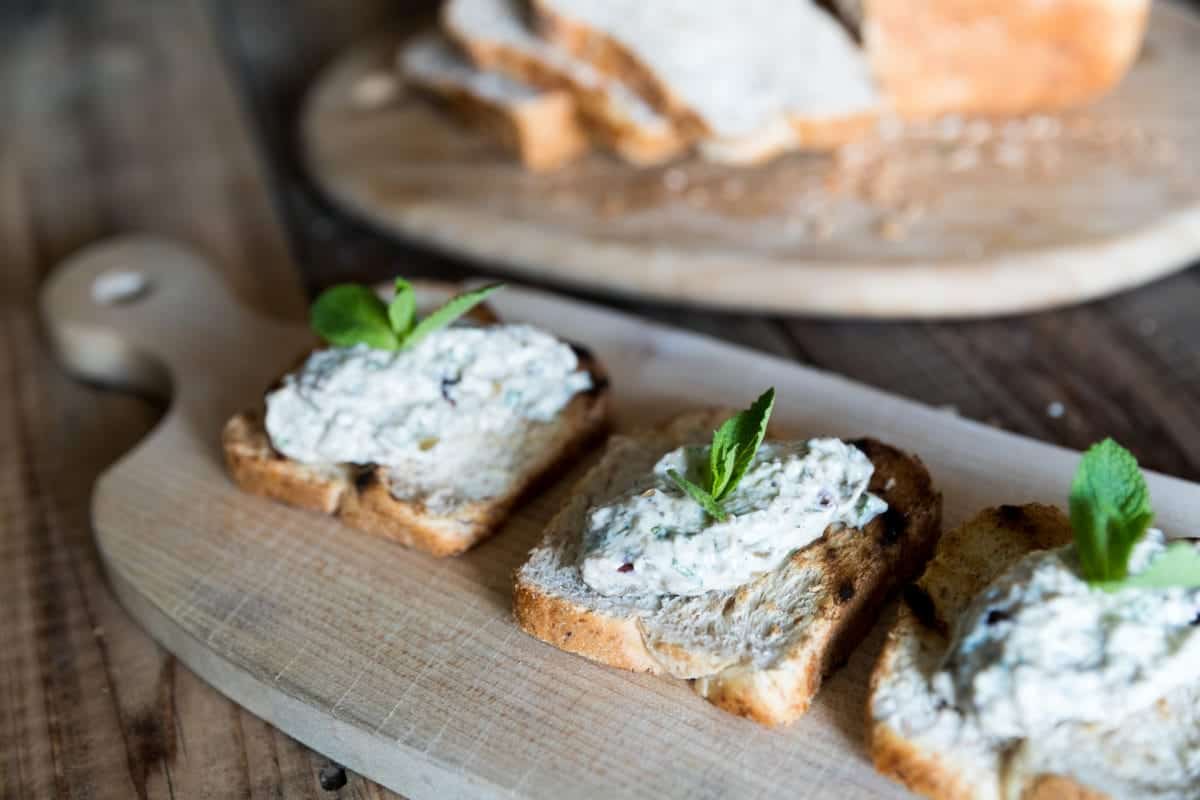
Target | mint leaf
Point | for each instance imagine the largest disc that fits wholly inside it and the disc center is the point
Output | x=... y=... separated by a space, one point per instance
x=402 y=311
x=736 y=442
x=1177 y=566
x=1110 y=511
x=348 y=314
x=452 y=310
x=719 y=474
x=699 y=494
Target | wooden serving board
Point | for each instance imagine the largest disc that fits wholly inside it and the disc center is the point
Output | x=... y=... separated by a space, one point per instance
x=1034 y=214
x=408 y=669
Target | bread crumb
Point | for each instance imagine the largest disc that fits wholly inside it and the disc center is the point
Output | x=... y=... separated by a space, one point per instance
x=963 y=159
x=1055 y=410
x=915 y=162
x=977 y=131
x=675 y=180
x=892 y=229
x=1010 y=155
x=950 y=128
x=1043 y=127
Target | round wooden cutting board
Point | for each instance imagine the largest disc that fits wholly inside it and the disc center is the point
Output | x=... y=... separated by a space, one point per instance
x=954 y=218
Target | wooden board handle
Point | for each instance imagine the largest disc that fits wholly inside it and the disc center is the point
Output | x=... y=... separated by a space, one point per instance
x=132 y=311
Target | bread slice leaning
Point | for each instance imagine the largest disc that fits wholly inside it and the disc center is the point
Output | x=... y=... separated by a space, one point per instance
x=748 y=80
x=541 y=126
x=360 y=495
x=760 y=650
x=928 y=747
x=497 y=35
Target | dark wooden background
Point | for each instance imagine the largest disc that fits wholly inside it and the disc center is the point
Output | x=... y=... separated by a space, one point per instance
x=175 y=116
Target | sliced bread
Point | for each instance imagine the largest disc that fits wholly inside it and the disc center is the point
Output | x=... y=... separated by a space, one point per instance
x=996 y=57
x=496 y=34
x=925 y=744
x=361 y=494
x=541 y=126
x=751 y=79
x=759 y=650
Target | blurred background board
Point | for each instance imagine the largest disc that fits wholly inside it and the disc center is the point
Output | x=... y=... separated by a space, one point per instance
x=946 y=219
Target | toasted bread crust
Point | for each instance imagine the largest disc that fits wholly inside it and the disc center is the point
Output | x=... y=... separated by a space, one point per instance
x=967 y=559
x=828 y=134
x=859 y=569
x=921 y=772
x=258 y=469
x=544 y=130
x=545 y=133
x=360 y=495
x=616 y=641
x=1056 y=787
x=630 y=141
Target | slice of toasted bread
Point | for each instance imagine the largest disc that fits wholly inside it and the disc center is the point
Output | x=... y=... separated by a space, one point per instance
x=748 y=80
x=926 y=745
x=541 y=126
x=759 y=650
x=496 y=34
x=361 y=496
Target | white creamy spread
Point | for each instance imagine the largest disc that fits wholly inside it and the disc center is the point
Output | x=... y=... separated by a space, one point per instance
x=448 y=417
x=1040 y=647
x=656 y=540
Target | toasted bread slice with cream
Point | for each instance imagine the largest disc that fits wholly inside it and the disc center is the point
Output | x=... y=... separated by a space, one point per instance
x=361 y=496
x=922 y=742
x=759 y=650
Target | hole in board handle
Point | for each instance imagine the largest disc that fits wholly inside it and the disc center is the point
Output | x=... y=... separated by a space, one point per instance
x=120 y=286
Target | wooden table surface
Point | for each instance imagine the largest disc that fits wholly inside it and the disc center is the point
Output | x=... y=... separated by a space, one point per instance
x=175 y=117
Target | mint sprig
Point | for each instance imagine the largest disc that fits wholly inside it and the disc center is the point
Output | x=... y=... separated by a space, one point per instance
x=402 y=311
x=733 y=447
x=1110 y=514
x=350 y=314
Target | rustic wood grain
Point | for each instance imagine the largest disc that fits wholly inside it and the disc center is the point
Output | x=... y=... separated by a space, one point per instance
x=72 y=169
x=103 y=132
x=411 y=669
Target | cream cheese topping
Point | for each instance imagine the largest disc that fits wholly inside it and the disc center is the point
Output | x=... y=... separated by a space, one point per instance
x=1040 y=647
x=655 y=540
x=448 y=417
